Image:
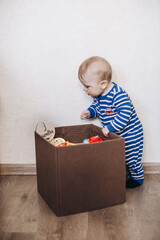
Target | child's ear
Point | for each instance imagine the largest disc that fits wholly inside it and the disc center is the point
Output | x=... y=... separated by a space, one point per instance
x=104 y=84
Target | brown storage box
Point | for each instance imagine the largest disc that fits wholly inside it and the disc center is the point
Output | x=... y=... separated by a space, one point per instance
x=83 y=177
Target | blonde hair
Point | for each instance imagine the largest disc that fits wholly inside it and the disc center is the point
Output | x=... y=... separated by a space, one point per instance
x=103 y=68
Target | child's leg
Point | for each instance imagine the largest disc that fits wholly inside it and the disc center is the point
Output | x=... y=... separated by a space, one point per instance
x=134 y=150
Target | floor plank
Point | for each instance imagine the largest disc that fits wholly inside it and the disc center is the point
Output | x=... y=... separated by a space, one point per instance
x=24 y=214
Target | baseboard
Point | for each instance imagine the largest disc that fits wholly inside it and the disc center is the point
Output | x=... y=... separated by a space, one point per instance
x=151 y=167
x=30 y=169
x=18 y=169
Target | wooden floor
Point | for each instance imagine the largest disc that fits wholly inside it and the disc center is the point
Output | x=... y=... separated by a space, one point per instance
x=25 y=216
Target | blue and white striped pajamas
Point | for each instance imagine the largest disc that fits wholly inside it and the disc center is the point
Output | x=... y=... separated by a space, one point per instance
x=117 y=112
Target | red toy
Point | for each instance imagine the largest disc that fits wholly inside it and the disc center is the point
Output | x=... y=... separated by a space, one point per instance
x=95 y=139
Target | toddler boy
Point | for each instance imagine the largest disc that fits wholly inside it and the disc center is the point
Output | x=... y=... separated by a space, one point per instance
x=116 y=112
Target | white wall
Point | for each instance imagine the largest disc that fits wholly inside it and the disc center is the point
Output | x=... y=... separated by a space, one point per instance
x=42 y=44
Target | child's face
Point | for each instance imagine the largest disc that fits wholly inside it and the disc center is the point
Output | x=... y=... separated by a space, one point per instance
x=92 y=86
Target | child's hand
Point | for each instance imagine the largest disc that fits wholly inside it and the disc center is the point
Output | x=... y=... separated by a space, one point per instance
x=105 y=131
x=85 y=114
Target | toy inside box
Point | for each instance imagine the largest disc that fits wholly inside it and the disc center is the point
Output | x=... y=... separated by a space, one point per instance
x=83 y=177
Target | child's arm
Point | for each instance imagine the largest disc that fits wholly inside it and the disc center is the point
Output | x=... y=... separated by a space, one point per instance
x=123 y=104
x=93 y=109
x=105 y=131
x=85 y=114
x=91 y=112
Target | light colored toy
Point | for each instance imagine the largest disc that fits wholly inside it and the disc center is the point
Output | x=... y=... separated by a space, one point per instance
x=57 y=141
x=86 y=141
x=46 y=130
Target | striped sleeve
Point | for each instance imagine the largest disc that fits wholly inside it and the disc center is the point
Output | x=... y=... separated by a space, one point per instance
x=93 y=109
x=123 y=104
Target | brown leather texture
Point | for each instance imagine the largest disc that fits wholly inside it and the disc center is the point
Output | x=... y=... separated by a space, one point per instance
x=83 y=177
